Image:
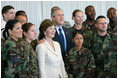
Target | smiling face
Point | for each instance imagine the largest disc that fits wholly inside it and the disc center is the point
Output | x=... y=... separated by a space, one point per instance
x=59 y=17
x=112 y=15
x=78 y=40
x=101 y=24
x=16 y=32
x=90 y=12
x=78 y=17
x=50 y=32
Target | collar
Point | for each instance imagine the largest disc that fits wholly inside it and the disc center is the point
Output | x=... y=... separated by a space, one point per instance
x=58 y=27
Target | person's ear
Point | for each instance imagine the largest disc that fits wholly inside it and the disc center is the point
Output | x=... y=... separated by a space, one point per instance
x=96 y=25
x=25 y=33
x=45 y=33
x=9 y=31
x=4 y=15
x=107 y=15
x=72 y=18
x=52 y=17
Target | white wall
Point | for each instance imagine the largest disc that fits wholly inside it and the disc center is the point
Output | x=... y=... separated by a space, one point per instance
x=40 y=10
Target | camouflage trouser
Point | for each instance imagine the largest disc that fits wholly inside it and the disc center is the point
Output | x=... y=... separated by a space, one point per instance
x=104 y=74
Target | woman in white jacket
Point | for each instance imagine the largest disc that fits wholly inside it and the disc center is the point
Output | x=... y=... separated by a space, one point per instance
x=51 y=64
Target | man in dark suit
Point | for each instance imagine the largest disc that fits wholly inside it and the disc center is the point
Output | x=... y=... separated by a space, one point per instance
x=63 y=35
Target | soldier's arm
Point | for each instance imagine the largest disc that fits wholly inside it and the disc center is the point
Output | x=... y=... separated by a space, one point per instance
x=90 y=66
x=67 y=66
x=12 y=63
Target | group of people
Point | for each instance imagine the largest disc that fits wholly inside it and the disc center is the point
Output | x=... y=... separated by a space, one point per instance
x=88 y=49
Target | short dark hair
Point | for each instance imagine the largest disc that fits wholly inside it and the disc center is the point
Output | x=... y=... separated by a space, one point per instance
x=101 y=16
x=87 y=7
x=110 y=9
x=43 y=26
x=6 y=8
x=20 y=12
x=75 y=11
x=77 y=32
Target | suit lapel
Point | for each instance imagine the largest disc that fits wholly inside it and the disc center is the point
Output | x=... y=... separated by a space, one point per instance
x=49 y=48
x=66 y=33
x=56 y=38
x=67 y=37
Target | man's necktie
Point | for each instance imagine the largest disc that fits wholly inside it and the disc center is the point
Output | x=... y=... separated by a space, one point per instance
x=62 y=39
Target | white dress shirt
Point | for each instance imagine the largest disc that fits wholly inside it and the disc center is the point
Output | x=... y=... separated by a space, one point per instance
x=57 y=29
x=3 y=23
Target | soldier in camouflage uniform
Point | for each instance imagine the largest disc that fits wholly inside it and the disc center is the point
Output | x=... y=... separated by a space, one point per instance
x=104 y=50
x=88 y=24
x=78 y=18
x=112 y=26
x=79 y=61
x=29 y=31
x=13 y=57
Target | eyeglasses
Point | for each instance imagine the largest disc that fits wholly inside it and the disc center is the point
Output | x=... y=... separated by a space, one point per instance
x=103 y=23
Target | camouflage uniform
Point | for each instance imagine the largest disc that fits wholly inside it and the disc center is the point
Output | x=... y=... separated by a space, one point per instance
x=14 y=60
x=112 y=31
x=105 y=55
x=2 y=63
x=87 y=34
x=73 y=30
x=33 y=60
x=34 y=44
x=88 y=27
x=79 y=64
